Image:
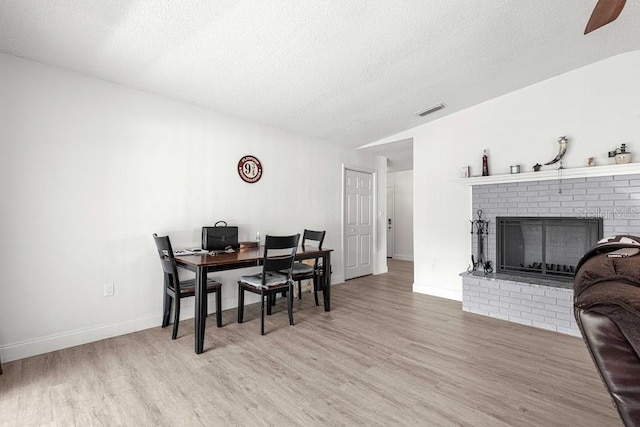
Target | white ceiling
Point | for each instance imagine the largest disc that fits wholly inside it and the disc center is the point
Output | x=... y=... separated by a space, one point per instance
x=345 y=71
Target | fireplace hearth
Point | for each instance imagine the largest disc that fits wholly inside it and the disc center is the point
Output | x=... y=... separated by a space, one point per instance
x=544 y=246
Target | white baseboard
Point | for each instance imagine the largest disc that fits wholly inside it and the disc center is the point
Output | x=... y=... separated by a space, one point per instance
x=51 y=343
x=437 y=291
x=34 y=347
x=403 y=257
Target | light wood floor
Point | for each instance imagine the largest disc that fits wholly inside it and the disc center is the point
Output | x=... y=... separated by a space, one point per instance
x=382 y=356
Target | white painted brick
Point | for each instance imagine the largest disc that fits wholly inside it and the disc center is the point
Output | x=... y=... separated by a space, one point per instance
x=499 y=304
x=611 y=184
x=500 y=292
x=560 y=197
x=532 y=290
x=623 y=196
x=510 y=300
x=555 y=204
x=521 y=296
x=567 y=317
x=598 y=190
x=486 y=308
x=587 y=197
x=521 y=308
x=560 y=294
x=574 y=191
x=538 y=187
x=544 y=299
x=538 y=199
x=575 y=204
x=527 y=205
x=558 y=309
x=542 y=312
x=510 y=312
x=532 y=316
x=492 y=297
x=478 y=300
x=510 y=286
x=634 y=189
x=631 y=203
x=600 y=178
x=491 y=284
x=498 y=189
x=500 y=316
x=533 y=304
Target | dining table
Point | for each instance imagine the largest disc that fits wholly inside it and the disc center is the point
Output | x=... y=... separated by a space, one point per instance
x=207 y=262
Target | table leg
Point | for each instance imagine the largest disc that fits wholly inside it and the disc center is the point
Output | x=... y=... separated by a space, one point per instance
x=201 y=308
x=326 y=292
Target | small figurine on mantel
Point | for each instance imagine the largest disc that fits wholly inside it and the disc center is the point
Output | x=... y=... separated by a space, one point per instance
x=485 y=163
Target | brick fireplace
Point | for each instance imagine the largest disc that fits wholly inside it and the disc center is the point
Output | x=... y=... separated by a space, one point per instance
x=533 y=301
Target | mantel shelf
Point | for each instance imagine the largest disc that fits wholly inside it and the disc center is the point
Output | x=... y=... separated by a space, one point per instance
x=608 y=170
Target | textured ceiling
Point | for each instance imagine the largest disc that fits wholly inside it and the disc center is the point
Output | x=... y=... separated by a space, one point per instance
x=348 y=72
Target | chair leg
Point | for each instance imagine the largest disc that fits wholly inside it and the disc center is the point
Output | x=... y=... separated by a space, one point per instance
x=240 y=303
x=299 y=289
x=176 y=319
x=219 y=307
x=271 y=301
x=166 y=309
x=262 y=312
x=290 y=303
x=315 y=289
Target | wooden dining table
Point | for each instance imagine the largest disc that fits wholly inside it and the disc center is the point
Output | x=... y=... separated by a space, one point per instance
x=205 y=263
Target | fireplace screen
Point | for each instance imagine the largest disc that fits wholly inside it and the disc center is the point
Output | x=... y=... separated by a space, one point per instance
x=544 y=246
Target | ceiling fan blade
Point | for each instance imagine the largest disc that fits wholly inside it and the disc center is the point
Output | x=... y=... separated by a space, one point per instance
x=604 y=12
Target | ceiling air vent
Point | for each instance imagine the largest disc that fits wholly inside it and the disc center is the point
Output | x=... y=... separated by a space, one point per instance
x=430 y=110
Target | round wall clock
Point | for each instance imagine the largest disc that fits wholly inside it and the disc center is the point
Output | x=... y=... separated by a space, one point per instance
x=250 y=169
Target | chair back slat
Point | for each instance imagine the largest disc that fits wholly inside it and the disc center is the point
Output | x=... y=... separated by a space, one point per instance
x=318 y=238
x=315 y=236
x=282 y=262
x=167 y=260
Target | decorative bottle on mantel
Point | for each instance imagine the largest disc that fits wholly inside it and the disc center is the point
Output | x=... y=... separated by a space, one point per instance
x=485 y=163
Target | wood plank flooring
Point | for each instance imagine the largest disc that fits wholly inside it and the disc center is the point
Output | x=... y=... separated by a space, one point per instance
x=382 y=356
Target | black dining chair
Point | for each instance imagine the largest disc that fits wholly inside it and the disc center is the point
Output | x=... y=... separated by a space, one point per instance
x=277 y=265
x=302 y=270
x=176 y=289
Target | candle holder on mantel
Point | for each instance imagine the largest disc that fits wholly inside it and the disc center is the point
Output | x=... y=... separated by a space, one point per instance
x=481 y=228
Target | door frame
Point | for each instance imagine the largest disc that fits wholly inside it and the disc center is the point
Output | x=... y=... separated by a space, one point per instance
x=374 y=214
x=391 y=210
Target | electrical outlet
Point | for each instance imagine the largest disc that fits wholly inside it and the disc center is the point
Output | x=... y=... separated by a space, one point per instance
x=108 y=289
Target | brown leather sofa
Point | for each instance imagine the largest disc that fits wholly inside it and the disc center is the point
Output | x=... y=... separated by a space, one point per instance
x=607 y=309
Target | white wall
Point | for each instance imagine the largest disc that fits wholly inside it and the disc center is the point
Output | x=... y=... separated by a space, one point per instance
x=597 y=107
x=90 y=170
x=402 y=184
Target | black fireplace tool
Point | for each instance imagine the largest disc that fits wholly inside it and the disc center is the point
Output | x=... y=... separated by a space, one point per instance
x=481 y=228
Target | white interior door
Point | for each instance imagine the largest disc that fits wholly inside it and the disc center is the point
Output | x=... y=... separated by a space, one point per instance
x=358 y=223
x=390 y=222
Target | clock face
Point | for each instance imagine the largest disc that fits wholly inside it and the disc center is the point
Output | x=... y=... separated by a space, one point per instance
x=250 y=169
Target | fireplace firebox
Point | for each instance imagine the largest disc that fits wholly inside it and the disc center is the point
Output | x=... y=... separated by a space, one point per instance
x=544 y=246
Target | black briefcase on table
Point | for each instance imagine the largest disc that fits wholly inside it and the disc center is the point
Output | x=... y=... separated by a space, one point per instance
x=219 y=237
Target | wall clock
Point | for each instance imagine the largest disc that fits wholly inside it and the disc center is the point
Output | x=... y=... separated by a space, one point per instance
x=250 y=169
